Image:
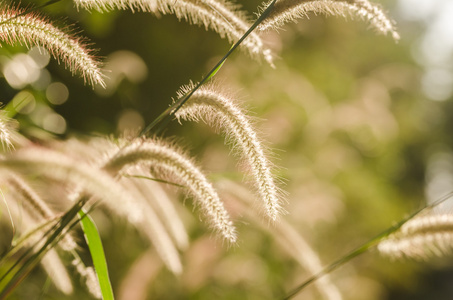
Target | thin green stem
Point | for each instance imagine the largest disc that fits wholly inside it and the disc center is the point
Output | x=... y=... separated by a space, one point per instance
x=164 y=118
x=154 y=179
x=362 y=249
x=17 y=243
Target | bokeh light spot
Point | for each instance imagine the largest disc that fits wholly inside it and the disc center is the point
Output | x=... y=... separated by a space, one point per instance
x=130 y=121
x=40 y=55
x=57 y=93
x=54 y=122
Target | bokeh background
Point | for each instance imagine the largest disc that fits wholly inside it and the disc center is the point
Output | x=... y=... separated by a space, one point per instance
x=360 y=127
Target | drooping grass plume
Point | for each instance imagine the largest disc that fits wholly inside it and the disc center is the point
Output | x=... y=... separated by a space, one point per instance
x=44 y=162
x=51 y=262
x=91 y=180
x=38 y=211
x=88 y=274
x=53 y=266
x=165 y=209
x=5 y=132
x=287 y=237
x=285 y=11
x=32 y=29
x=149 y=224
x=35 y=206
x=221 y=16
x=219 y=110
x=136 y=208
x=421 y=238
x=167 y=161
x=107 y=5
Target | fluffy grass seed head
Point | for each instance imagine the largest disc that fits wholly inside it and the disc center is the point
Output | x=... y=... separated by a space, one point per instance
x=164 y=208
x=89 y=275
x=32 y=226
x=57 y=166
x=285 y=11
x=169 y=162
x=221 y=16
x=32 y=29
x=151 y=226
x=36 y=207
x=108 y=5
x=100 y=184
x=97 y=152
x=220 y=111
x=135 y=208
x=420 y=238
x=5 y=132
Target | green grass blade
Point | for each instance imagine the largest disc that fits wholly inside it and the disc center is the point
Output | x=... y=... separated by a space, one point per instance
x=218 y=67
x=154 y=179
x=97 y=254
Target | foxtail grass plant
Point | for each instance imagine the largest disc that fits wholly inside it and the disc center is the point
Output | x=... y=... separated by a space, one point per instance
x=221 y=16
x=219 y=111
x=19 y=27
x=168 y=162
x=5 y=132
x=285 y=11
x=135 y=179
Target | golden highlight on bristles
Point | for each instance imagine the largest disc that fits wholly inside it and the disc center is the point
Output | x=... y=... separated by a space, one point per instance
x=137 y=208
x=5 y=132
x=32 y=216
x=89 y=275
x=219 y=15
x=100 y=185
x=421 y=238
x=285 y=11
x=147 y=221
x=165 y=209
x=218 y=110
x=31 y=29
x=51 y=164
x=36 y=207
x=167 y=161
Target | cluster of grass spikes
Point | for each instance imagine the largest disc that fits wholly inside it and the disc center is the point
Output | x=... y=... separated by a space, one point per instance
x=419 y=229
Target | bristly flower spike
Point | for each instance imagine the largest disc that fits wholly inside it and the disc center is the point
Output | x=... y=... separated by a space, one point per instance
x=219 y=15
x=99 y=184
x=219 y=110
x=164 y=208
x=36 y=207
x=285 y=11
x=134 y=206
x=31 y=28
x=5 y=132
x=167 y=161
x=420 y=238
x=36 y=211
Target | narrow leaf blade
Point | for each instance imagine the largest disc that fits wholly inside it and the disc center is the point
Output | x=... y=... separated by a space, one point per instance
x=97 y=254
